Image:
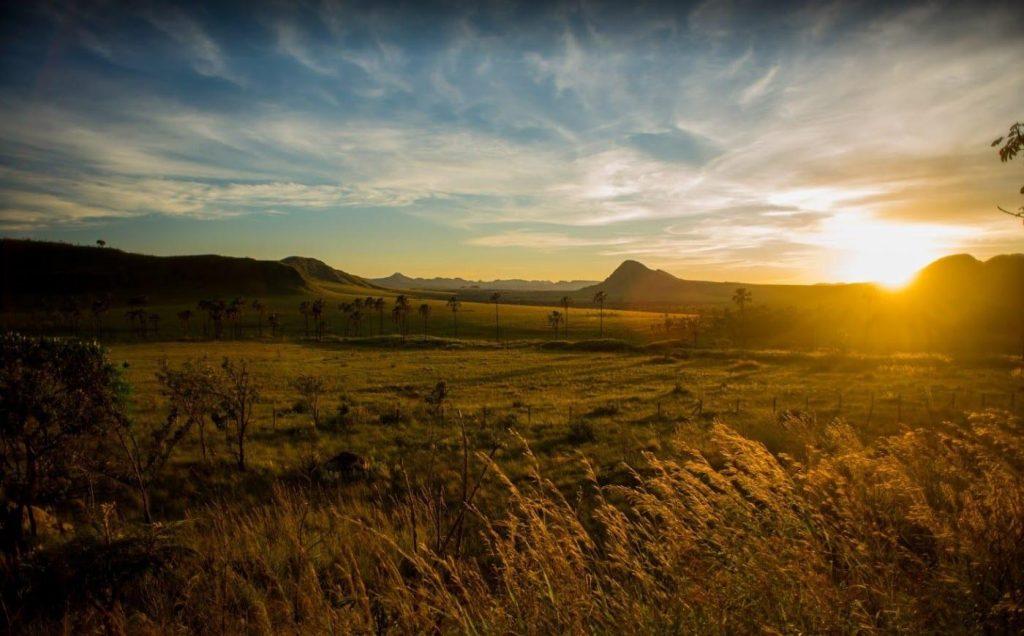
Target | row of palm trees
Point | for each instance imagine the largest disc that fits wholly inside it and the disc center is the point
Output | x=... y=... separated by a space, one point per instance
x=356 y=311
x=222 y=317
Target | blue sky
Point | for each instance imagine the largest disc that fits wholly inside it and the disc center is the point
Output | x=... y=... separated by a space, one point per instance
x=720 y=140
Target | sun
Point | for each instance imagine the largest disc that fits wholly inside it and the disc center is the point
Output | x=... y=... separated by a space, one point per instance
x=890 y=253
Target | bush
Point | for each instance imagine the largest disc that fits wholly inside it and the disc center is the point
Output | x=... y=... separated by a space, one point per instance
x=581 y=432
x=60 y=401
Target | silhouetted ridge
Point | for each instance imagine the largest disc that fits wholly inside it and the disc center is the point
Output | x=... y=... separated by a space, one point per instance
x=39 y=268
x=316 y=270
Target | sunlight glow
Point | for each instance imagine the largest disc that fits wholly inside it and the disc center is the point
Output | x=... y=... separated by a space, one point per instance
x=867 y=249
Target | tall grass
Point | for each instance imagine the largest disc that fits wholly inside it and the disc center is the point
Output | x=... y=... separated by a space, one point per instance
x=922 y=531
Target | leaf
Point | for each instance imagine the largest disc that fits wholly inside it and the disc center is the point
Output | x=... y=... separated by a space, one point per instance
x=996 y=142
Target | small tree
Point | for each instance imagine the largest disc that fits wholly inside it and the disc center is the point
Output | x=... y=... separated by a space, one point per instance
x=275 y=324
x=555 y=321
x=454 y=305
x=191 y=393
x=238 y=392
x=742 y=298
x=101 y=243
x=311 y=389
x=59 y=402
x=599 y=300
x=144 y=455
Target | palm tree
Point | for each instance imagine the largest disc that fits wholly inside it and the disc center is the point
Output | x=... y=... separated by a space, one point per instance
x=304 y=310
x=454 y=306
x=346 y=312
x=137 y=314
x=378 y=304
x=496 y=298
x=555 y=320
x=137 y=319
x=317 y=311
x=234 y=314
x=424 y=312
x=599 y=299
x=357 y=321
x=260 y=309
x=185 y=316
x=696 y=325
x=100 y=306
x=204 y=306
x=565 y=301
x=357 y=308
x=400 y=313
x=216 y=308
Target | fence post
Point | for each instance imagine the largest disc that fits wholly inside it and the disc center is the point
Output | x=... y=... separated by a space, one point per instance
x=899 y=407
x=774 y=399
x=529 y=414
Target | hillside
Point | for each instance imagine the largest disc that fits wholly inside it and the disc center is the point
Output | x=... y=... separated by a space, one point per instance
x=45 y=269
x=401 y=281
x=315 y=270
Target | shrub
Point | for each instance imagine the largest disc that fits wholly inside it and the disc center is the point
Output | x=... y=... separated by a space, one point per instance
x=60 y=401
x=581 y=432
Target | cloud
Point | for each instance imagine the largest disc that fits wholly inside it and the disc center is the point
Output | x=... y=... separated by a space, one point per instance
x=760 y=87
x=542 y=240
x=661 y=131
x=206 y=54
x=676 y=145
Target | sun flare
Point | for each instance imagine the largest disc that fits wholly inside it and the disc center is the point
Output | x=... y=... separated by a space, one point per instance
x=867 y=249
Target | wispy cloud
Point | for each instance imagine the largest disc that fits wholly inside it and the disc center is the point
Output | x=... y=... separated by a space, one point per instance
x=656 y=133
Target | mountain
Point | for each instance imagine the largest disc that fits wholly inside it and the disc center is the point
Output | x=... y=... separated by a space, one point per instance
x=401 y=281
x=315 y=270
x=38 y=268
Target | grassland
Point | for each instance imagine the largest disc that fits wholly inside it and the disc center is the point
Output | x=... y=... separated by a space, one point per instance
x=663 y=489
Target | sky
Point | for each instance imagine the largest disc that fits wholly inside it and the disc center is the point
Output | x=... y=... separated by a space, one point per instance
x=719 y=140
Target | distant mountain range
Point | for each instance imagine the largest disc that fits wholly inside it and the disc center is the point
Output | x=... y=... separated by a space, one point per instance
x=35 y=269
x=401 y=281
x=633 y=283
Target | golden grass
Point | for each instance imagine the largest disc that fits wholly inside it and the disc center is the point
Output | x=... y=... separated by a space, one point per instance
x=921 y=532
